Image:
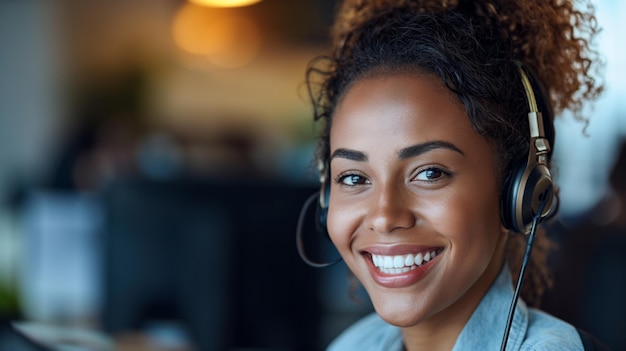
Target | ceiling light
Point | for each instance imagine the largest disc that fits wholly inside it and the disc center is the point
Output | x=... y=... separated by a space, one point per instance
x=225 y=3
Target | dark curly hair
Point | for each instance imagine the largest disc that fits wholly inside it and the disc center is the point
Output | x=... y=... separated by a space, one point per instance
x=474 y=48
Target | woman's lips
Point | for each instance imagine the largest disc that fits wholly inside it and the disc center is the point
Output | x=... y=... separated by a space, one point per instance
x=391 y=268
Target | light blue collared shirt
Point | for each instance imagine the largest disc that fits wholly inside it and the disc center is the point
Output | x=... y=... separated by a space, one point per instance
x=531 y=329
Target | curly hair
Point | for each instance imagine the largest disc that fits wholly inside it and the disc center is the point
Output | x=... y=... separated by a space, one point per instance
x=475 y=49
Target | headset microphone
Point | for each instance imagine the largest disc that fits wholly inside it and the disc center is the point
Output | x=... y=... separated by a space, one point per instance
x=526 y=259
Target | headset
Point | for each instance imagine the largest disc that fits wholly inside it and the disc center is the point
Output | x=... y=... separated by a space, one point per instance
x=324 y=197
x=529 y=190
x=530 y=182
x=321 y=219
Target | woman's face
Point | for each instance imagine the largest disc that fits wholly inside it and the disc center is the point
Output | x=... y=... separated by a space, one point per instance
x=414 y=204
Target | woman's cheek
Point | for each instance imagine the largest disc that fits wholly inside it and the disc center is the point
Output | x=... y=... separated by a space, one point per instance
x=340 y=226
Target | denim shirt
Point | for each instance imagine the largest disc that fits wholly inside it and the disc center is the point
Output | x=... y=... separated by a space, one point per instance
x=531 y=329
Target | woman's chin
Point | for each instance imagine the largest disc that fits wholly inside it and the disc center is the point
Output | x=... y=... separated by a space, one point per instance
x=400 y=315
x=401 y=321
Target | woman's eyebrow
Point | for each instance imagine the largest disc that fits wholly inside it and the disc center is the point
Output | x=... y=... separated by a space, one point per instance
x=352 y=155
x=408 y=152
x=418 y=149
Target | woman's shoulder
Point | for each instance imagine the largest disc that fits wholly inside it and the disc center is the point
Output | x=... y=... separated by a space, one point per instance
x=370 y=333
x=546 y=332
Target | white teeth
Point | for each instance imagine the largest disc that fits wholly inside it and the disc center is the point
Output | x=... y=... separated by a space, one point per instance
x=419 y=258
x=409 y=261
x=396 y=270
x=398 y=262
x=387 y=262
x=401 y=264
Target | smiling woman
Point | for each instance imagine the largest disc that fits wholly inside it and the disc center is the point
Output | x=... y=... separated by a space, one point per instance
x=435 y=160
x=414 y=196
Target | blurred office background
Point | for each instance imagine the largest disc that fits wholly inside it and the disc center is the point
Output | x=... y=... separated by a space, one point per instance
x=154 y=156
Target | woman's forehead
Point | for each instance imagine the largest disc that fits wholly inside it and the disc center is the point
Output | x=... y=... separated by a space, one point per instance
x=399 y=106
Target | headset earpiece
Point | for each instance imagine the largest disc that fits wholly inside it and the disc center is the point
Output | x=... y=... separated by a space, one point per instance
x=526 y=188
x=530 y=182
x=322 y=210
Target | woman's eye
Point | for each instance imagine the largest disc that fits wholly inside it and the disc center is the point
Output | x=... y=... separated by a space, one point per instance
x=431 y=174
x=352 y=180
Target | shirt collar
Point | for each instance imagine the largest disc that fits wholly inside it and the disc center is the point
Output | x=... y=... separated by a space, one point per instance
x=485 y=328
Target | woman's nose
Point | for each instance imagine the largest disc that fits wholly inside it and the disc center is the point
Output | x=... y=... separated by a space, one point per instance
x=391 y=210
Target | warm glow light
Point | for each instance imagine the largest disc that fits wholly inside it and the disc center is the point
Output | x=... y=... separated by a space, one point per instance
x=192 y=27
x=226 y=41
x=225 y=3
x=236 y=42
